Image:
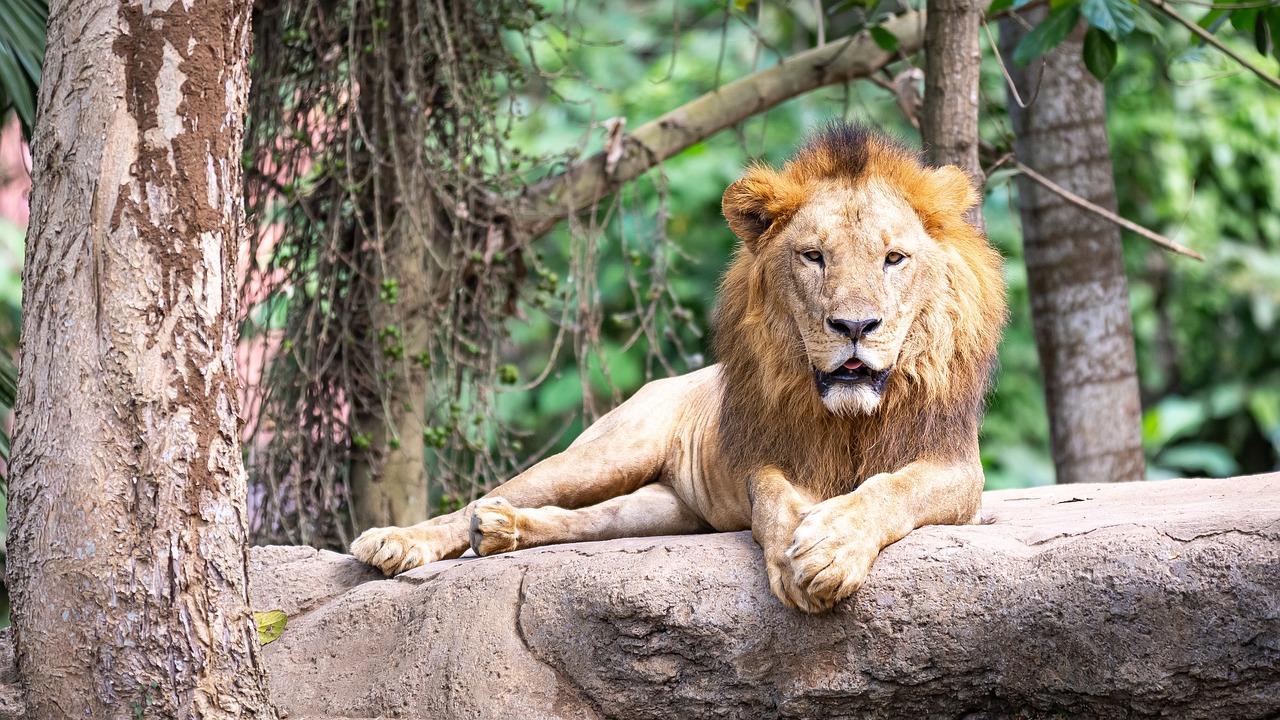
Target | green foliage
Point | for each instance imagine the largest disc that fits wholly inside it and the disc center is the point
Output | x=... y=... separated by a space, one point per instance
x=885 y=39
x=1014 y=438
x=1099 y=52
x=1152 y=119
x=1048 y=34
x=1113 y=17
x=1112 y=22
x=1200 y=165
x=22 y=38
x=663 y=238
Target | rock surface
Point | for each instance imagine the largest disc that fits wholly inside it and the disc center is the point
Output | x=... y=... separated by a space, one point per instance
x=1085 y=601
x=1149 y=599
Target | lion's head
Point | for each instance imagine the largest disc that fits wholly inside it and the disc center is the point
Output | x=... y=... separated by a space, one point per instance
x=859 y=283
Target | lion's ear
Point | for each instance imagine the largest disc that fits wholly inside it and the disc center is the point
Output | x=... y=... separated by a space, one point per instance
x=746 y=205
x=952 y=190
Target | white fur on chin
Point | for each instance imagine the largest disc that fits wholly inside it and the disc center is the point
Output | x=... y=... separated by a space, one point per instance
x=851 y=399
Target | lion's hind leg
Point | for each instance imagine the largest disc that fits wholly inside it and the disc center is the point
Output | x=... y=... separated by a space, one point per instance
x=497 y=526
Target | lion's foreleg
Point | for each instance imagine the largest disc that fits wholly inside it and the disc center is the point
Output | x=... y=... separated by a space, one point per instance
x=497 y=526
x=777 y=508
x=838 y=539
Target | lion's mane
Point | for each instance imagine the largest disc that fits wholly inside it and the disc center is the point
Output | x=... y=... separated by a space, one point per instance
x=933 y=403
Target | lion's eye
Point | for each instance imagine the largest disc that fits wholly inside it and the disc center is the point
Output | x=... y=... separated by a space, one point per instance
x=813 y=256
x=894 y=258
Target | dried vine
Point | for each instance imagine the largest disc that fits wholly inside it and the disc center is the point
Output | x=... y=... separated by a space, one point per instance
x=380 y=276
x=385 y=266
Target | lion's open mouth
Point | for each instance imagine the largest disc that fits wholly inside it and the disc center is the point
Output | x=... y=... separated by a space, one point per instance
x=852 y=372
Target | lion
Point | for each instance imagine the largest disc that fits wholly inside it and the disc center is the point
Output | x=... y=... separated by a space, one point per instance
x=856 y=335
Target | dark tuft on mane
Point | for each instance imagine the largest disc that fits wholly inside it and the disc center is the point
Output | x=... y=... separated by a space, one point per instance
x=843 y=140
x=843 y=149
x=845 y=145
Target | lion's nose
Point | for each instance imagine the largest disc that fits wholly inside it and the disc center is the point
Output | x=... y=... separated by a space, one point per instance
x=852 y=329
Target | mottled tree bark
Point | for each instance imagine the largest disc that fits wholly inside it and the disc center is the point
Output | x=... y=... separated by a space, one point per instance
x=127 y=499
x=1075 y=271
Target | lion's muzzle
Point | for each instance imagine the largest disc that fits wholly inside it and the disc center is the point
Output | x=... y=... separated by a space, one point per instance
x=853 y=372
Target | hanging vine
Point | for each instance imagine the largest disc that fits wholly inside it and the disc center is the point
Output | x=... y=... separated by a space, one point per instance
x=384 y=268
x=381 y=274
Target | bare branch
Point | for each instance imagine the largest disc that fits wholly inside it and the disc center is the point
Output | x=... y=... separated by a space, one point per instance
x=545 y=203
x=1078 y=201
x=1208 y=37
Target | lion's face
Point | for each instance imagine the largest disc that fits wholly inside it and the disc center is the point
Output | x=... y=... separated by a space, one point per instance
x=855 y=266
x=861 y=275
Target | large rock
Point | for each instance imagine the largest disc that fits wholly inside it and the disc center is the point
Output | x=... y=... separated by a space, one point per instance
x=1098 y=601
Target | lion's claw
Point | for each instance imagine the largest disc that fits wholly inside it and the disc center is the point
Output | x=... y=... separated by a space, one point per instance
x=829 y=559
x=393 y=550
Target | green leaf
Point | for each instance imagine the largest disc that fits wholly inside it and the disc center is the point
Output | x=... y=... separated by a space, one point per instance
x=1047 y=35
x=16 y=85
x=1209 y=459
x=270 y=625
x=1213 y=19
x=885 y=39
x=8 y=381
x=1099 y=52
x=22 y=40
x=1113 y=17
x=998 y=6
x=1272 y=17
x=22 y=27
x=1170 y=419
x=1262 y=36
x=1243 y=19
x=1147 y=25
x=1264 y=405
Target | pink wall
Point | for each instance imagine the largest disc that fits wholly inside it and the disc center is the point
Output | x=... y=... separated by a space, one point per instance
x=15 y=181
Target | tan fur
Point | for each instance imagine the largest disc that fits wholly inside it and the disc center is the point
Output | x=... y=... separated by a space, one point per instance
x=824 y=481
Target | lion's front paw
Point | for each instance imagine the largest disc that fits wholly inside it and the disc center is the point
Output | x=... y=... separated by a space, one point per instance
x=393 y=550
x=493 y=526
x=830 y=556
x=783 y=584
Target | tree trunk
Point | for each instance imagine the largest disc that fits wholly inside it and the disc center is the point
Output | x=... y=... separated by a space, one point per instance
x=1075 y=271
x=127 y=500
x=952 y=60
x=389 y=478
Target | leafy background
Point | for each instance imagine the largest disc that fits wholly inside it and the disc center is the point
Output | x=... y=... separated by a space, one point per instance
x=1197 y=143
